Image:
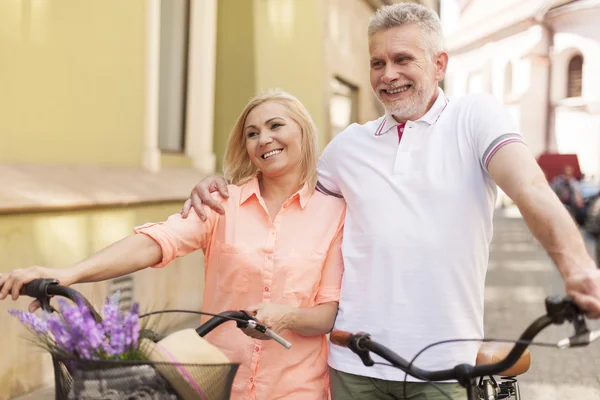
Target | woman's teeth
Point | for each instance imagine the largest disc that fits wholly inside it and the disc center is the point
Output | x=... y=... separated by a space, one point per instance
x=271 y=153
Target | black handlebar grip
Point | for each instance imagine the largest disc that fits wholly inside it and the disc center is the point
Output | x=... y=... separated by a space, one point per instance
x=38 y=288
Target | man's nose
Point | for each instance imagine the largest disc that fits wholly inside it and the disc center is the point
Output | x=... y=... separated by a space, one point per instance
x=389 y=74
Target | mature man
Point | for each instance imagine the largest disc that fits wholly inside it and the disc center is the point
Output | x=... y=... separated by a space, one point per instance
x=420 y=185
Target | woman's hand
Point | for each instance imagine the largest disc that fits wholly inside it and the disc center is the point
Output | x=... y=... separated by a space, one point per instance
x=274 y=316
x=13 y=282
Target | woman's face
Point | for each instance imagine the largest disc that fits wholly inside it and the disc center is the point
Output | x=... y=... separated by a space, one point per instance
x=273 y=140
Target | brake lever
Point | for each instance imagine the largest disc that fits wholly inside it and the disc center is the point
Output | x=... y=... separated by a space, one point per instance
x=562 y=309
x=253 y=323
x=39 y=291
x=364 y=354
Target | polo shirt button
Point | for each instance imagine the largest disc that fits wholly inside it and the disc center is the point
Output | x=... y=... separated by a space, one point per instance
x=251 y=379
x=266 y=289
x=269 y=257
x=257 y=349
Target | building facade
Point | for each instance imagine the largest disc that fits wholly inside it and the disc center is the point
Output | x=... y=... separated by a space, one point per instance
x=538 y=57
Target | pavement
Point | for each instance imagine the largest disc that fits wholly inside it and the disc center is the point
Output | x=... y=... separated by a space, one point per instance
x=520 y=276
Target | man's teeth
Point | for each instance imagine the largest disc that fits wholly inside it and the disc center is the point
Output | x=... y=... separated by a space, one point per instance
x=271 y=153
x=398 y=90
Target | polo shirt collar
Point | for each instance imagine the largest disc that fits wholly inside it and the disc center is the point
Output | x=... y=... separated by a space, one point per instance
x=430 y=117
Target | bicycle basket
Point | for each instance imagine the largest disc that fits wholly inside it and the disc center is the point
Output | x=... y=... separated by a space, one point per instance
x=104 y=380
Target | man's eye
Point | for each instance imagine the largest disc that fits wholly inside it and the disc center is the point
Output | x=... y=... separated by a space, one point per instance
x=402 y=60
x=377 y=64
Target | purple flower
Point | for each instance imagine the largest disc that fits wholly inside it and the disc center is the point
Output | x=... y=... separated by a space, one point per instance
x=31 y=321
x=113 y=326
x=75 y=331
x=62 y=336
x=132 y=326
x=87 y=336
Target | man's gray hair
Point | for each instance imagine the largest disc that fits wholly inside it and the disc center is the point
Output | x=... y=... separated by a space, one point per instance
x=400 y=14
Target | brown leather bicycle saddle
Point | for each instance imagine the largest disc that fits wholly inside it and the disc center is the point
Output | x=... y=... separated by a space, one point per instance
x=492 y=352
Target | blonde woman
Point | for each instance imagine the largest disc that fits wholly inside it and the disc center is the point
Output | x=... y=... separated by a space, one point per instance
x=276 y=251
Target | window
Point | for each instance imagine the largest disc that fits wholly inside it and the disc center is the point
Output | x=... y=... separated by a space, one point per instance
x=174 y=33
x=343 y=105
x=574 y=76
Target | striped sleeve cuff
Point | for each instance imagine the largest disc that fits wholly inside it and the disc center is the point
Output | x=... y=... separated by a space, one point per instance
x=327 y=192
x=497 y=144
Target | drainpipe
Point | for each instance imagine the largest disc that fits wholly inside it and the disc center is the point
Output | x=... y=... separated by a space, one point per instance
x=540 y=18
x=550 y=117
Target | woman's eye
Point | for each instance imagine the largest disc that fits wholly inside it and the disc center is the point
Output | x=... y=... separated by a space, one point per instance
x=252 y=134
x=276 y=125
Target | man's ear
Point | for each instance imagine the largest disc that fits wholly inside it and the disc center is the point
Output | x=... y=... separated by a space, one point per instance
x=441 y=64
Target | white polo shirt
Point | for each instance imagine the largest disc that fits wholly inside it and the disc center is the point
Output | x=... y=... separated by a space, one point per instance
x=418 y=229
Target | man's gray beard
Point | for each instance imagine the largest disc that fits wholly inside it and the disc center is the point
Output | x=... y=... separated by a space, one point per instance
x=417 y=106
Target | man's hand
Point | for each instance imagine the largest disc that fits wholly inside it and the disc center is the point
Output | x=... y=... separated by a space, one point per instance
x=584 y=286
x=13 y=282
x=201 y=194
x=274 y=316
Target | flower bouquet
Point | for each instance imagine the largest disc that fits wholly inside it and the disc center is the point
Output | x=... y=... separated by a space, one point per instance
x=95 y=359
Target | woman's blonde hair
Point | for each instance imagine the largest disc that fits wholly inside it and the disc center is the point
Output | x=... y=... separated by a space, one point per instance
x=237 y=166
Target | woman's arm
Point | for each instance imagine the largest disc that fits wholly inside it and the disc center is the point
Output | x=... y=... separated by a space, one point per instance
x=128 y=255
x=317 y=320
x=312 y=321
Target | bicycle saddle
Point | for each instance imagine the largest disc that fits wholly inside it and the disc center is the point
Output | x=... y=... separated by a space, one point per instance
x=492 y=352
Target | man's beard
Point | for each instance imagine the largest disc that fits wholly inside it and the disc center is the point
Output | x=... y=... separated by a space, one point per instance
x=415 y=106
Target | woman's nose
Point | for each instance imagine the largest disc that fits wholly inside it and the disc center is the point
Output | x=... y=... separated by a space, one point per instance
x=265 y=138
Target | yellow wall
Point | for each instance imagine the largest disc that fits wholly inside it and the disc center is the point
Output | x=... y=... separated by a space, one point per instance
x=72 y=81
x=59 y=239
x=235 y=83
x=264 y=44
x=290 y=53
x=347 y=51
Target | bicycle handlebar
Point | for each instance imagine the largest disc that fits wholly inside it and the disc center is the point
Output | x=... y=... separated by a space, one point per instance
x=251 y=322
x=558 y=310
x=44 y=289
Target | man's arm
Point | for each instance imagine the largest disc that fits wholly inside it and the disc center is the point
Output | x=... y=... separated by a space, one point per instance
x=517 y=173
